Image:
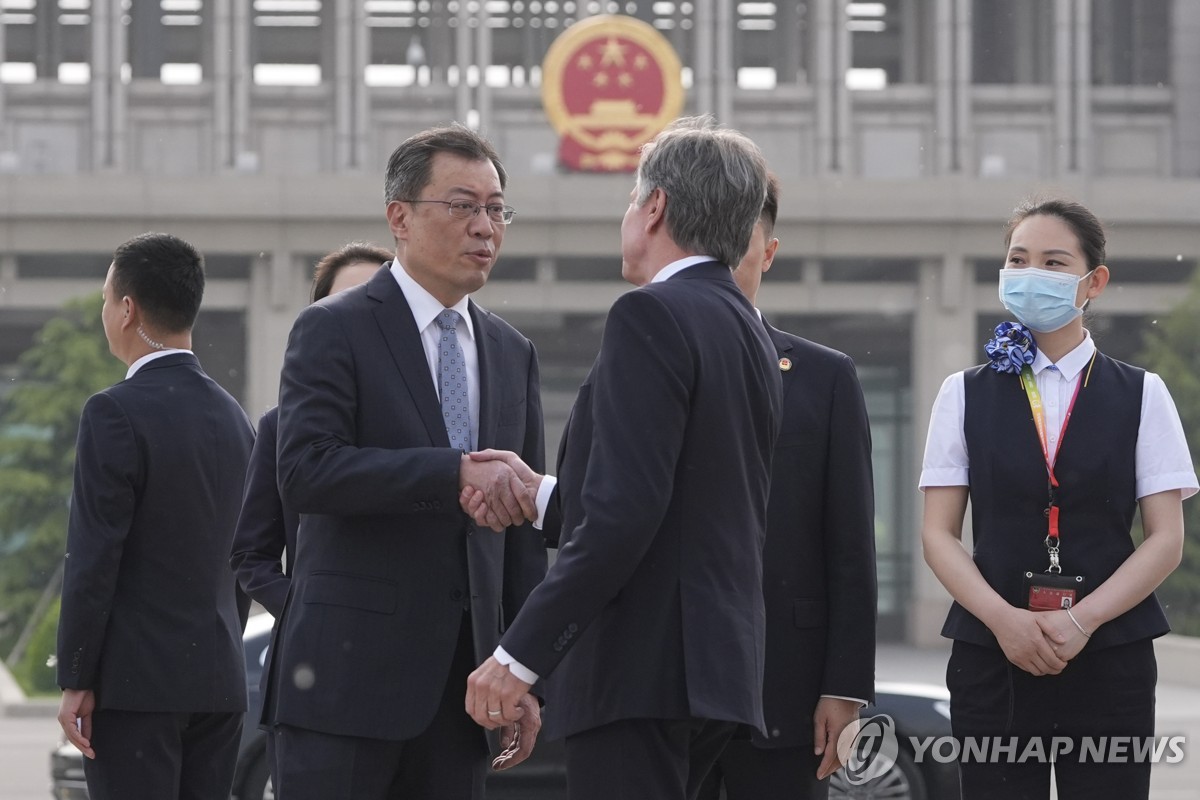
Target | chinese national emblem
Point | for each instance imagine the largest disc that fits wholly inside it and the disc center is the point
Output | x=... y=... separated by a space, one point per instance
x=610 y=83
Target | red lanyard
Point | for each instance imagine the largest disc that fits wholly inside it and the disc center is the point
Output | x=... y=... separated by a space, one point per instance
x=1039 y=421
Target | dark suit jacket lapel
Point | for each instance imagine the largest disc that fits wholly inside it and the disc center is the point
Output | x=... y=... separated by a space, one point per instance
x=491 y=359
x=399 y=330
x=783 y=347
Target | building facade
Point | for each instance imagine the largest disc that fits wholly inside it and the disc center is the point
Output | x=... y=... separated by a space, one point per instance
x=904 y=132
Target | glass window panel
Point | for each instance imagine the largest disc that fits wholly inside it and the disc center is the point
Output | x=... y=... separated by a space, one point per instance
x=1012 y=41
x=1131 y=42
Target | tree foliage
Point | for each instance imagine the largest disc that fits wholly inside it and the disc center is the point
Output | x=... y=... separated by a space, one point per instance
x=1173 y=351
x=35 y=671
x=68 y=362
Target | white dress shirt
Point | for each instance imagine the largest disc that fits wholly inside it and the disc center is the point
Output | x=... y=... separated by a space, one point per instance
x=146 y=359
x=425 y=309
x=676 y=266
x=1162 y=461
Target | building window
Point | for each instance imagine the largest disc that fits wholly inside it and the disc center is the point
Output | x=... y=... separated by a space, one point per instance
x=226 y=266
x=219 y=341
x=1012 y=41
x=1131 y=42
x=291 y=42
x=87 y=266
x=771 y=44
x=869 y=270
x=890 y=43
x=41 y=37
x=169 y=41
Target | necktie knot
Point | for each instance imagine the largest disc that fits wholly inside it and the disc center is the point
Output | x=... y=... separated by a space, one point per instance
x=448 y=320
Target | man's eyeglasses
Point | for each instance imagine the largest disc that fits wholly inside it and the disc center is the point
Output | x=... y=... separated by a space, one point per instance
x=467 y=209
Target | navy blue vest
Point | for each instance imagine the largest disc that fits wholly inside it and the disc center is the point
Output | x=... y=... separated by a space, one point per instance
x=1095 y=469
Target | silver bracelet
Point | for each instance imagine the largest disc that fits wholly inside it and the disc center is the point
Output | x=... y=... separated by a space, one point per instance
x=1077 y=625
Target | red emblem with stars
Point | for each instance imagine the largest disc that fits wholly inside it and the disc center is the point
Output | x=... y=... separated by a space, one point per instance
x=610 y=83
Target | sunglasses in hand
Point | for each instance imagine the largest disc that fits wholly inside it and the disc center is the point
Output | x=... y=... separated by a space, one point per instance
x=510 y=752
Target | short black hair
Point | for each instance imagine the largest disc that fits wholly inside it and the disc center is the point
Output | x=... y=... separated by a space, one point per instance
x=164 y=275
x=327 y=268
x=410 y=167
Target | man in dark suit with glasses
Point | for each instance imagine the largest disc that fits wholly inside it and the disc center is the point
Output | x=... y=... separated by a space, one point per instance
x=396 y=592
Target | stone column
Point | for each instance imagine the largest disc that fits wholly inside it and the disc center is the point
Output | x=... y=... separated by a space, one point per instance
x=278 y=290
x=703 y=70
x=1081 y=139
x=483 y=57
x=1185 y=80
x=1064 y=88
x=462 y=43
x=103 y=12
x=242 y=80
x=345 y=83
x=220 y=76
x=943 y=343
x=725 y=75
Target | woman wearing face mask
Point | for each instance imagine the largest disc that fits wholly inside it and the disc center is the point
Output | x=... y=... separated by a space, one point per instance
x=1057 y=446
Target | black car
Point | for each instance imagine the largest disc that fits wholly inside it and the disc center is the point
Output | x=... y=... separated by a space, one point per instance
x=918 y=710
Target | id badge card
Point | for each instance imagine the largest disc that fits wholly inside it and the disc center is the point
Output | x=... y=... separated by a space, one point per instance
x=1044 y=591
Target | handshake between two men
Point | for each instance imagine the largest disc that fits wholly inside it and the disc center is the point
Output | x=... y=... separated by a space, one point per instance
x=499 y=490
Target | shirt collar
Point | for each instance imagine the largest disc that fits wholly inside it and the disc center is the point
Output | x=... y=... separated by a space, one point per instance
x=425 y=307
x=146 y=359
x=677 y=266
x=1070 y=365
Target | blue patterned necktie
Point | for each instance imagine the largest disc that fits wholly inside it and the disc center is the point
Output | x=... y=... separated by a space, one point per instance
x=452 y=382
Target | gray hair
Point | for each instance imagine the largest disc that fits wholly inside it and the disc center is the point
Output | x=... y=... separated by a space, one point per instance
x=715 y=180
x=410 y=167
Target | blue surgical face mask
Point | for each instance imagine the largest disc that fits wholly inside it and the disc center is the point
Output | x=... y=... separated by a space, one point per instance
x=1041 y=299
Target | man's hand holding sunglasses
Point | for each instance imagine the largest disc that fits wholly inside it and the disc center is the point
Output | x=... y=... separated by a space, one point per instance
x=520 y=737
x=498 y=699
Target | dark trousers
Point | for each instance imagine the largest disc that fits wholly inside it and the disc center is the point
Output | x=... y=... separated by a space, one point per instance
x=636 y=759
x=1109 y=693
x=161 y=756
x=747 y=772
x=447 y=761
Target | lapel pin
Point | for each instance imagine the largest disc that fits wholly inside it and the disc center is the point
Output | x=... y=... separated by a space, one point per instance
x=785 y=364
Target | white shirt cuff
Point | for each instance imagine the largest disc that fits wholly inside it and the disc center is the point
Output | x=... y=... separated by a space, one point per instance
x=861 y=703
x=543 y=502
x=515 y=667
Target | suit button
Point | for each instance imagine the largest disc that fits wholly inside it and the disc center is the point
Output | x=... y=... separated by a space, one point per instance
x=558 y=647
x=573 y=627
x=457 y=595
